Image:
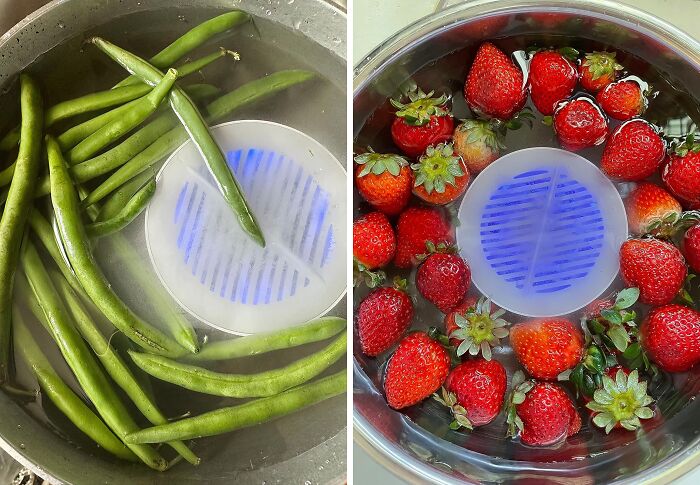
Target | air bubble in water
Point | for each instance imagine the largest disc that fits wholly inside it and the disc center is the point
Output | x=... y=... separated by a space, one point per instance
x=268 y=12
x=181 y=18
x=297 y=24
x=336 y=40
x=61 y=25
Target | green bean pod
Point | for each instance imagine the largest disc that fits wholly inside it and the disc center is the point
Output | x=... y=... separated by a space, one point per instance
x=80 y=359
x=262 y=384
x=313 y=331
x=251 y=413
x=121 y=197
x=77 y=246
x=19 y=200
x=62 y=395
x=199 y=133
x=129 y=212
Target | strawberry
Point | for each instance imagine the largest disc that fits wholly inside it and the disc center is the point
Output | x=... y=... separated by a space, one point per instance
x=691 y=247
x=650 y=209
x=440 y=175
x=474 y=392
x=579 y=124
x=624 y=99
x=416 y=227
x=382 y=317
x=597 y=70
x=494 y=85
x=621 y=401
x=594 y=308
x=384 y=180
x=416 y=370
x=671 y=337
x=373 y=240
x=422 y=122
x=634 y=152
x=478 y=143
x=443 y=279
x=547 y=347
x=656 y=267
x=475 y=325
x=542 y=412
x=553 y=77
x=681 y=173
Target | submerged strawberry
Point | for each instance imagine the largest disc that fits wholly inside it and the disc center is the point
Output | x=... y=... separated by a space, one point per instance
x=634 y=152
x=384 y=180
x=440 y=175
x=494 y=87
x=478 y=143
x=650 y=209
x=671 y=337
x=681 y=174
x=552 y=78
x=443 y=279
x=416 y=227
x=475 y=326
x=624 y=99
x=579 y=124
x=421 y=122
x=621 y=402
x=598 y=69
x=691 y=247
x=373 y=240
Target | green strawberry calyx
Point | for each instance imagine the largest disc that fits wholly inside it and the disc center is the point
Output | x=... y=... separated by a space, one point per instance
x=362 y=274
x=611 y=327
x=689 y=145
x=479 y=329
x=672 y=223
x=482 y=131
x=521 y=386
x=449 y=399
x=623 y=400
x=438 y=167
x=421 y=107
x=601 y=64
x=378 y=163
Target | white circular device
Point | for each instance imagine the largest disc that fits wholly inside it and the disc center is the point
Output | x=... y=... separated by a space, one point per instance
x=541 y=229
x=295 y=188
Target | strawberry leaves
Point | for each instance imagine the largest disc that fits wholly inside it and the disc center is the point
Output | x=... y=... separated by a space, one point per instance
x=437 y=168
x=421 y=107
x=479 y=329
x=622 y=401
x=449 y=399
x=612 y=325
x=689 y=145
x=601 y=64
x=521 y=386
x=378 y=163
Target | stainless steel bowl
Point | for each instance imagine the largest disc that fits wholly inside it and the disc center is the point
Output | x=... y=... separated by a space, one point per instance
x=401 y=441
x=309 y=446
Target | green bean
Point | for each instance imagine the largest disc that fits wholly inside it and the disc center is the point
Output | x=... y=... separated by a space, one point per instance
x=79 y=358
x=262 y=384
x=124 y=124
x=199 y=133
x=251 y=413
x=313 y=331
x=14 y=216
x=129 y=212
x=66 y=208
x=217 y=110
x=113 y=364
x=63 y=396
x=118 y=200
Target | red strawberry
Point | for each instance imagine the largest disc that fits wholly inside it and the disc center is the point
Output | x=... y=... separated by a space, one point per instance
x=416 y=227
x=579 y=124
x=416 y=370
x=478 y=143
x=494 y=85
x=440 y=175
x=650 y=209
x=691 y=247
x=634 y=152
x=373 y=240
x=621 y=401
x=656 y=267
x=681 y=173
x=475 y=325
x=547 y=347
x=422 y=122
x=598 y=70
x=384 y=180
x=671 y=337
x=474 y=391
x=382 y=317
x=624 y=99
x=542 y=412
x=552 y=79
x=443 y=279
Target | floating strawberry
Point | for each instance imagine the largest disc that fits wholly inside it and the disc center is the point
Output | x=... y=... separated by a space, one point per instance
x=671 y=337
x=382 y=317
x=475 y=325
x=443 y=279
x=440 y=175
x=474 y=392
x=478 y=143
x=416 y=370
x=547 y=347
x=579 y=124
x=416 y=227
x=634 y=152
x=621 y=401
x=541 y=412
x=652 y=210
x=598 y=69
x=656 y=267
x=373 y=245
x=384 y=180
x=553 y=77
x=681 y=174
x=421 y=122
x=624 y=99
x=495 y=87
x=691 y=247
